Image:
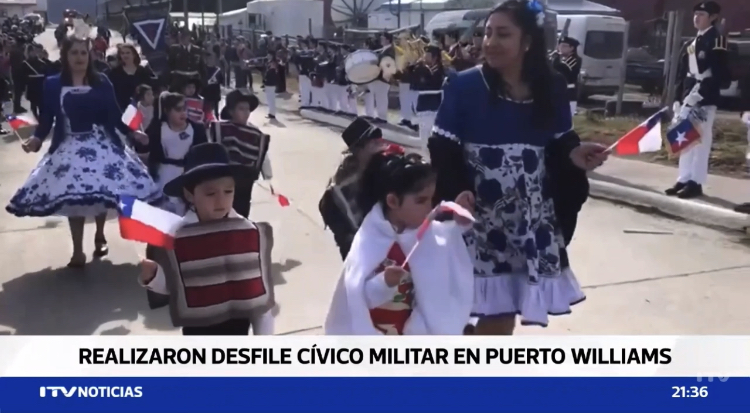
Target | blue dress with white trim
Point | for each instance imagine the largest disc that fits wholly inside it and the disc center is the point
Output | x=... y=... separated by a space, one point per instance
x=493 y=147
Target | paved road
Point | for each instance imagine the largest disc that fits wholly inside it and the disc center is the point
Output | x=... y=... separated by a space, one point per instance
x=692 y=281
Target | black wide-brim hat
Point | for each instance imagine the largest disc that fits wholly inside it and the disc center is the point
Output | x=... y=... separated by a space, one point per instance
x=239 y=95
x=204 y=162
x=359 y=131
x=710 y=7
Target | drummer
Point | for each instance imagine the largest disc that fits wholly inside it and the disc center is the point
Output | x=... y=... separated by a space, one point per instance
x=343 y=91
x=331 y=86
x=376 y=105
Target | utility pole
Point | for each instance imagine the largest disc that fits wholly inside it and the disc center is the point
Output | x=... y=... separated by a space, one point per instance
x=185 y=12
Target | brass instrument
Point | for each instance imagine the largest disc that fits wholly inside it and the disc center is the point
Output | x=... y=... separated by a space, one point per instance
x=413 y=51
x=447 y=59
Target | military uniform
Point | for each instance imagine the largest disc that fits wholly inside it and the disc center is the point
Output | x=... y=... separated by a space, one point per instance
x=702 y=73
x=317 y=78
x=304 y=61
x=331 y=88
x=185 y=62
x=570 y=67
x=428 y=82
x=343 y=86
x=376 y=102
x=33 y=72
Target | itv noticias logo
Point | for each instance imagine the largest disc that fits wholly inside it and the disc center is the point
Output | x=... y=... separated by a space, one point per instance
x=92 y=391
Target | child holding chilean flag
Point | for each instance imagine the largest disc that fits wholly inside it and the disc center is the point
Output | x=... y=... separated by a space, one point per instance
x=404 y=274
x=218 y=274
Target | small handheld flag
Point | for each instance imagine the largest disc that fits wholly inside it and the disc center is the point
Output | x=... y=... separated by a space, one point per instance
x=17 y=122
x=682 y=136
x=445 y=206
x=142 y=222
x=645 y=137
x=132 y=117
x=282 y=200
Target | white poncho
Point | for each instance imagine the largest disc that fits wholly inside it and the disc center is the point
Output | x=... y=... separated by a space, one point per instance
x=441 y=271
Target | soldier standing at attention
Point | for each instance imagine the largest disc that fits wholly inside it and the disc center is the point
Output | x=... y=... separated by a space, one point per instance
x=185 y=60
x=702 y=73
x=566 y=61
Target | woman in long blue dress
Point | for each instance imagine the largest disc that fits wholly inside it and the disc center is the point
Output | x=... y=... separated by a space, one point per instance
x=504 y=132
x=87 y=166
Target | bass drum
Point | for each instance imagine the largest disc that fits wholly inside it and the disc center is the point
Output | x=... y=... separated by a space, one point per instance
x=362 y=67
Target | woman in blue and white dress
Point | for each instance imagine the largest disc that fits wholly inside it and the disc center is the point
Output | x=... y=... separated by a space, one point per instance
x=504 y=132
x=87 y=166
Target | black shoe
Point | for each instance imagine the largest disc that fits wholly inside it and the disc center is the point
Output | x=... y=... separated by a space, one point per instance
x=271 y=117
x=379 y=121
x=743 y=208
x=679 y=186
x=691 y=190
x=405 y=123
x=5 y=132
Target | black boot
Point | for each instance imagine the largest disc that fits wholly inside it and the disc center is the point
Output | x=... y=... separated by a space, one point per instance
x=691 y=190
x=743 y=208
x=679 y=186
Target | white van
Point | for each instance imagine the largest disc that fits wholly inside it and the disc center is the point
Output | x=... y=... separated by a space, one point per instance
x=601 y=49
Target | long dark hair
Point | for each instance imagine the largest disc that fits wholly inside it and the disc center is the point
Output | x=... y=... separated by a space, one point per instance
x=92 y=76
x=536 y=71
x=392 y=172
x=136 y=55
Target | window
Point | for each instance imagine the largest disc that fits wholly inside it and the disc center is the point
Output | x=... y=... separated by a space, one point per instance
x=603 y=44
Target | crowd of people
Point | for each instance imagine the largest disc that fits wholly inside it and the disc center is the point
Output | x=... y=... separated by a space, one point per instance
x=501 y=192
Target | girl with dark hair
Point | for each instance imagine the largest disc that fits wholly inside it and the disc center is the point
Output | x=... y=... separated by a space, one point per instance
x=170 y=138
x=87 y=166
x=381 y=291
x=128 y=74
x=504 y=132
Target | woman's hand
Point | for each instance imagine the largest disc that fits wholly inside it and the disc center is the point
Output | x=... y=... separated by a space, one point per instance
x=148 y=271
x=589 y=156
x=393 y=275
x=140 y=137
x=32 y=144
x=466 y=200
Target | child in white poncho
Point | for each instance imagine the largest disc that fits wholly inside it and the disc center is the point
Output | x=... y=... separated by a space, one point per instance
x=379 y=293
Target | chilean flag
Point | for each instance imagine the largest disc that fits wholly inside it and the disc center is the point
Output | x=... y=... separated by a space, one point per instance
x=645 y=137
x=17 y=122
x=132 y=117
x=141 y=222
x=445 y=206
x=682 y=136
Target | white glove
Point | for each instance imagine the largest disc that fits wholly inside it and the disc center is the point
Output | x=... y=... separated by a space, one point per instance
x=693 y=99
x=683 y=113
x=746 y=118
x=676 y=107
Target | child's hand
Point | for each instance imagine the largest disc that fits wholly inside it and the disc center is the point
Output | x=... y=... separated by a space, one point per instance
x=466 y=200
x=393 y=275
x=140 y=137
x=148 y=270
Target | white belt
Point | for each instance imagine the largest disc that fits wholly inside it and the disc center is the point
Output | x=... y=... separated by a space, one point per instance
x=36 y=75
x=571 y=86
x=701 y=76
x=430 y=92
x=180 y=72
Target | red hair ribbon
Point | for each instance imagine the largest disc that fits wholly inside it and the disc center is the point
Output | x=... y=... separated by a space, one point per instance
x=393 y=149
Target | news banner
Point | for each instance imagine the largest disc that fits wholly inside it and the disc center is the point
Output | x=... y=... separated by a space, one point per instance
x=267 y=374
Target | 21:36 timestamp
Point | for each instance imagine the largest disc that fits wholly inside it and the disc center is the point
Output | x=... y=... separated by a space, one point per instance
x=690 y=392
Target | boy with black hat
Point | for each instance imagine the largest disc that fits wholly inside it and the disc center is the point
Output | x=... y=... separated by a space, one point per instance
x=218 y=276
x=338 y=206
x=566 y=61
x=246 y=144
x=702 y=74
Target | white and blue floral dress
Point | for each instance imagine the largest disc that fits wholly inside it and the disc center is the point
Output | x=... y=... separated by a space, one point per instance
x=88 y=171
x=516 y=243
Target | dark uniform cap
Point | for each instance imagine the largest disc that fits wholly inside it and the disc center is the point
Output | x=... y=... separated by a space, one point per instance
x=710 y=7
x=569 y=41
x=359 y=131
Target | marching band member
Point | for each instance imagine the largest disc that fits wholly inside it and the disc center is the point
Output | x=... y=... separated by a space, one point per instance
x=32 y=76
x=331 y=86
x=185 y=60
x=379 y=88
x=343 y=90
x=566 y=61
x=406 y=96
x=213 y=78
x=303 y=60
x=319 y=98
x=458 y=55
x=703 y=72
x=475 y=48
x=270 y=81
x=427 y=80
